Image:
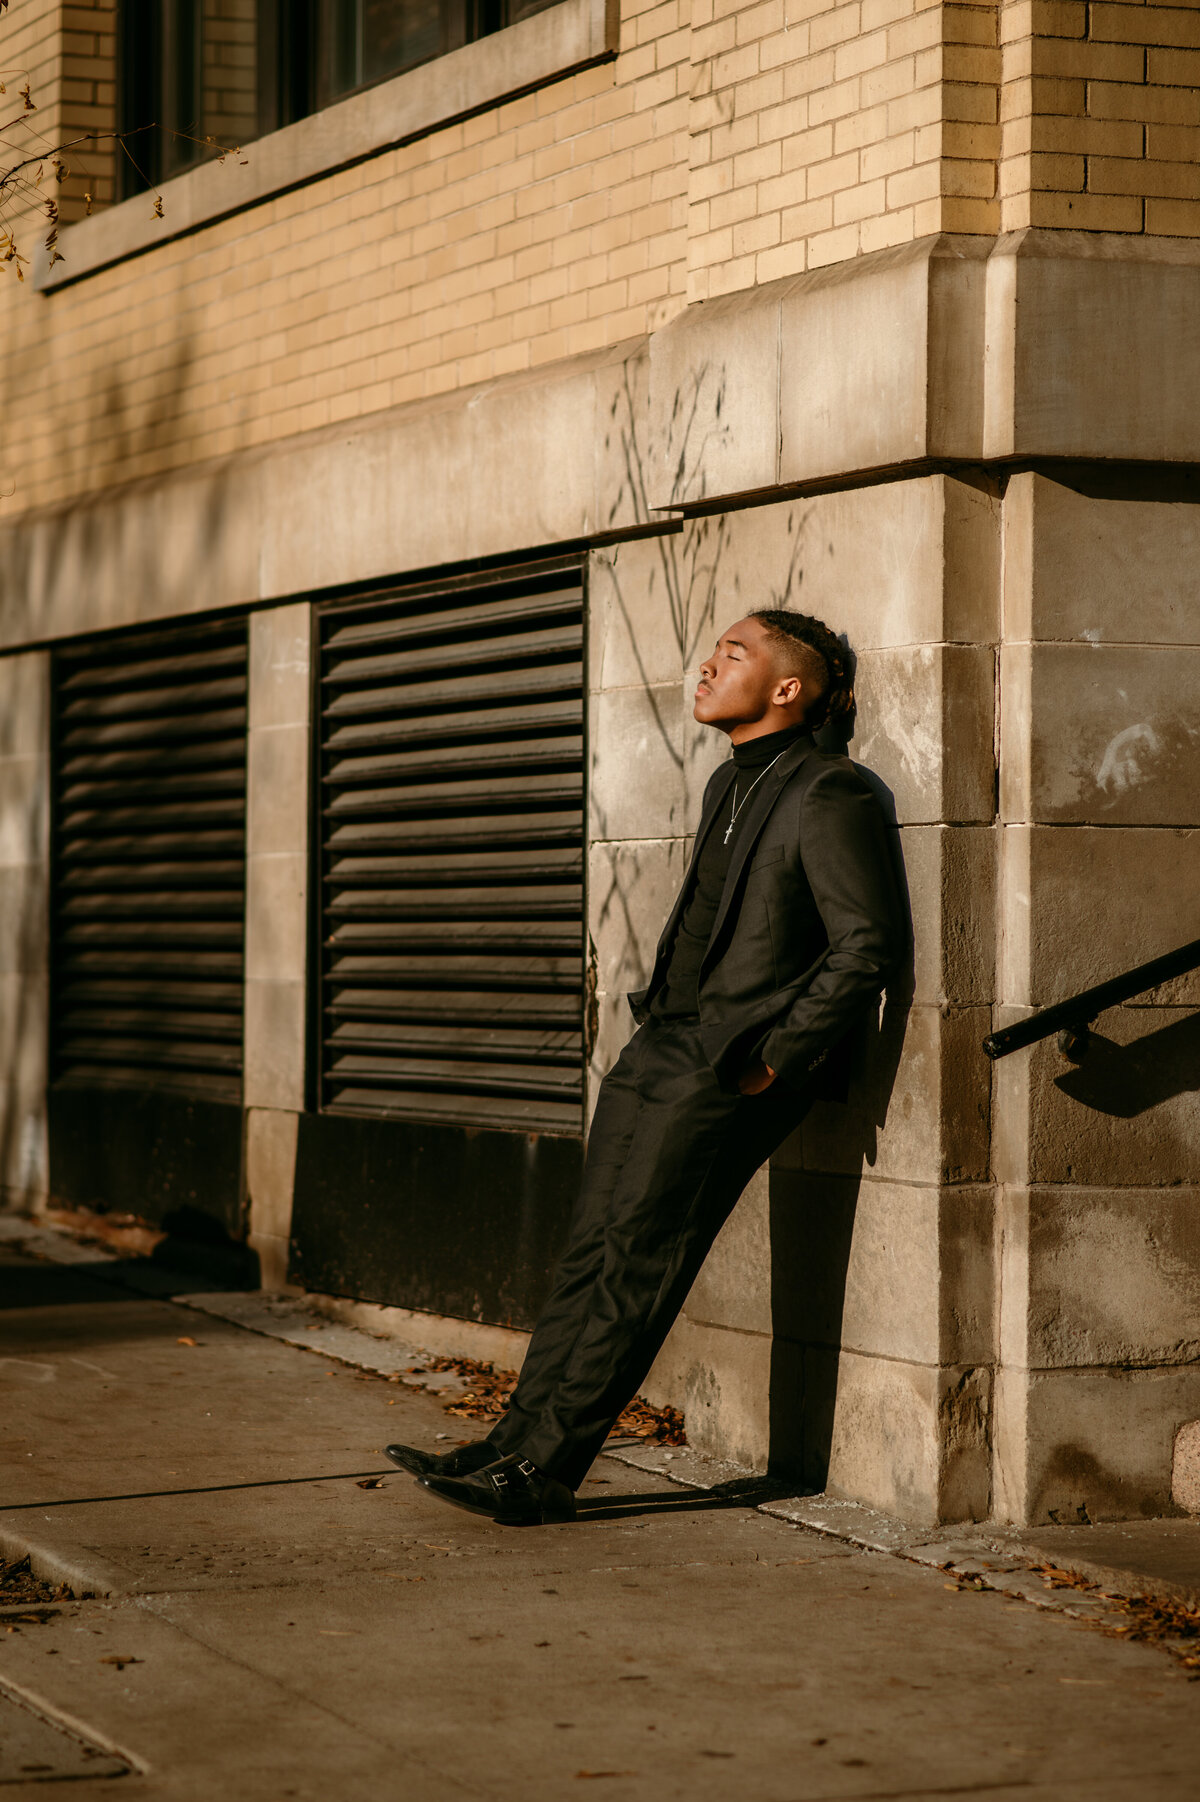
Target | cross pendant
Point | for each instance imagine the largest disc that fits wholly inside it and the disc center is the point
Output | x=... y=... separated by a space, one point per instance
x=729 y=832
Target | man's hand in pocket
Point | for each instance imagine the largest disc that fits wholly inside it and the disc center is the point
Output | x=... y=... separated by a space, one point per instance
x=758 y=1077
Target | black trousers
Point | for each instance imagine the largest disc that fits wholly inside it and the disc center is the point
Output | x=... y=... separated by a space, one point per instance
x=668 y=1155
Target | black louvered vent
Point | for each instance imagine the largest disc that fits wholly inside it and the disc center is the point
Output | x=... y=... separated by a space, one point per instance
x=150 y=861
x=452 y=829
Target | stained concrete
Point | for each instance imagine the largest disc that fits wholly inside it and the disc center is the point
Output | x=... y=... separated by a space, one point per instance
x=265 y=1627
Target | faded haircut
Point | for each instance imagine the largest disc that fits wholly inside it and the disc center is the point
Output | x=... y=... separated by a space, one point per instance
x=819 y=653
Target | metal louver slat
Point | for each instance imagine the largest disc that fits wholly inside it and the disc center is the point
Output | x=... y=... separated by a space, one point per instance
x=149 y=860
x=451 y=806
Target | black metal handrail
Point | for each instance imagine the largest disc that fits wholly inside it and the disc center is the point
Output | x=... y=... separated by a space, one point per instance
x=1072 y=1019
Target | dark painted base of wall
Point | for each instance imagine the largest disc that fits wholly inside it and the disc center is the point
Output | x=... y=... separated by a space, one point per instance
x=449 y=1219
x=171 y=1159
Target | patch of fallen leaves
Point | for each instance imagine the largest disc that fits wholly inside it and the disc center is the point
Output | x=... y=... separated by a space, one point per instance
x=18 y=1585
x=1175 y=1625
x=1054 y=1578
x=126 y=1233
x=488 y=1390
x=640 y=1421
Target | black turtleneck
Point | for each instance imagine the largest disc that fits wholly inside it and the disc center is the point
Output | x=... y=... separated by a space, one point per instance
x=677 y=998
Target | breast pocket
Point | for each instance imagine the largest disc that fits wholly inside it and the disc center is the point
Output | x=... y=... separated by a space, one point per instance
x=767 y=856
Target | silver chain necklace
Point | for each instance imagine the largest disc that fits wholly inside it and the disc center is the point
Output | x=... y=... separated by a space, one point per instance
x=738 y=805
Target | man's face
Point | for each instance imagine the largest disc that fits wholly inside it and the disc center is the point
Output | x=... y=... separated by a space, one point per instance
x=740 y=682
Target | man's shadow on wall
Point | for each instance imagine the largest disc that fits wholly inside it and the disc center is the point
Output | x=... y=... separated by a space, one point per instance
x=814 y=1188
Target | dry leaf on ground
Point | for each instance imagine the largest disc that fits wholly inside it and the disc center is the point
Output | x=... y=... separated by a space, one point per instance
x=489 y=1389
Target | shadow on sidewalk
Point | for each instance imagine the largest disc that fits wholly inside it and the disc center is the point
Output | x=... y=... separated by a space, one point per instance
x=743 y=1492
x=26 y=1285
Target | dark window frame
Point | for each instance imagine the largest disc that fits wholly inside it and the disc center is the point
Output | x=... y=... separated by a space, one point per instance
x=159 y=75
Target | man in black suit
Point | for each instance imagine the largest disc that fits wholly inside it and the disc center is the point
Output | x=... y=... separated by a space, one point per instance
x=782 y=936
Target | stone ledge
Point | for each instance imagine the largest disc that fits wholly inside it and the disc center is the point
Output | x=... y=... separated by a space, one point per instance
x=526 y=463
x=953 y=348
x=566 y=36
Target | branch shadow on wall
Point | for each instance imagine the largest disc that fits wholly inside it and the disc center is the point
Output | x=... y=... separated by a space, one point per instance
x=693 y=590
x=679 y=599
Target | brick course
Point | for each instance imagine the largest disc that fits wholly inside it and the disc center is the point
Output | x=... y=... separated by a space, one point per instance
x=1086 y=88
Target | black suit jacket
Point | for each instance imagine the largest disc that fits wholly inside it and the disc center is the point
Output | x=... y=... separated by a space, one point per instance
x=809 y=923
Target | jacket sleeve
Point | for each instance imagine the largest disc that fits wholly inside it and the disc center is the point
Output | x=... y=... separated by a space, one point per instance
x=844 y=850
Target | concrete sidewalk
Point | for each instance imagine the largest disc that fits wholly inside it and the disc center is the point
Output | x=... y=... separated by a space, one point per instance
x=263 y=1627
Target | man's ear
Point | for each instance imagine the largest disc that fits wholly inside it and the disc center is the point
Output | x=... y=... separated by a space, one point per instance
x=788 y=690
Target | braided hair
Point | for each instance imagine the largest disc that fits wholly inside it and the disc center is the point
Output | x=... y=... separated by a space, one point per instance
x=836 y=701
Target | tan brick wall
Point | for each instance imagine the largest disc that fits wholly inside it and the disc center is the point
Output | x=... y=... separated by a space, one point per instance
x=550 y=225
x=727 y=145
x=30 y=55
x=971 y=145
x=823 y=130
x=1101 y=117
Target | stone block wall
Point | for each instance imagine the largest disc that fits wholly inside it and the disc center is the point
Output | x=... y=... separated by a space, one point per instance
x=1098 y=1164
x=844 y=1322
x=971 y=1290
x=278 y=778
x=24 y=924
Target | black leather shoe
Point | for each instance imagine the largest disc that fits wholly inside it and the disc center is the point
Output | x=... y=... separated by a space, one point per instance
x=513 y=1492
x=459 y=1463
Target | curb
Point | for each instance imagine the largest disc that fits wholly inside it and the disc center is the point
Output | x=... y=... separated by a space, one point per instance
x=91 y=1577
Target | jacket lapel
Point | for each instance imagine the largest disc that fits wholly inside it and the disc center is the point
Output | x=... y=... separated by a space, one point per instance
x=769 y=791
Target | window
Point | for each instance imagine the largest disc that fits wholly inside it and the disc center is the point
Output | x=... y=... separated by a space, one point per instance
x=199 y=76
